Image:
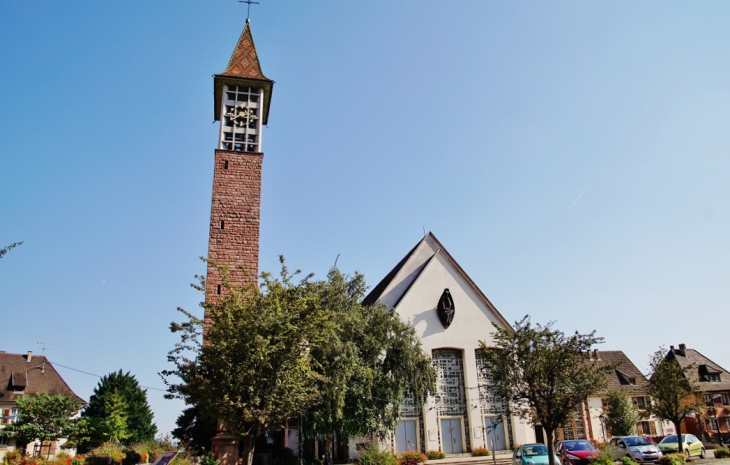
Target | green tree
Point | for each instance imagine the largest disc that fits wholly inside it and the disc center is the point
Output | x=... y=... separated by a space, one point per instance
x=195 y=430
x=255 y=369
x=674 y=393
x=620 y=416
x=7 y=249
x=115 y=425
x=543 y=374
x=139 y=417
x=366 y=366
x=43 y=417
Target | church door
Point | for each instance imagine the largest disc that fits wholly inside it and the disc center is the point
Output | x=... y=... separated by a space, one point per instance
x=405 y=436
x=495 y=434
x=451 y=435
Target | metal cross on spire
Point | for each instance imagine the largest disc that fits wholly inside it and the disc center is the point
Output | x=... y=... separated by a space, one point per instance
x=248 y=13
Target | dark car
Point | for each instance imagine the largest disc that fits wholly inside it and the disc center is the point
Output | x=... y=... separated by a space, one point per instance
x=576 y=452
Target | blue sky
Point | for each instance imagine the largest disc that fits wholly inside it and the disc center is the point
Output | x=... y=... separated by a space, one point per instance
x=572 y=156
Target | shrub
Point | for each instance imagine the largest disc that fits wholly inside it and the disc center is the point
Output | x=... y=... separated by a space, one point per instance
x=78 y=460
x=603 y=458
x=480 y=452
x=435 y=455
x=411 y=457
x=722 y=453
x=628 y=461
x=62 y=455
x=672 y=459
x=372 y=455
x=12 y=457
x=208 y=460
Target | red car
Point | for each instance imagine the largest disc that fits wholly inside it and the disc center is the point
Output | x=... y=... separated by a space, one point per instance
x=576 y=452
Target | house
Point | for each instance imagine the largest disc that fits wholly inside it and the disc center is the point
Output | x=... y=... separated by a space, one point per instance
x=451 y=316
x=715 y=384
x=27 y=375
x=624 y=376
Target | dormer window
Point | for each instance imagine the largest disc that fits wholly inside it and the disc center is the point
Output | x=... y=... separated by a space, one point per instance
x=713 y=377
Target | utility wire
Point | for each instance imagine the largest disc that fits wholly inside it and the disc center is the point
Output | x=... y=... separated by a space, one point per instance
x=92 y=374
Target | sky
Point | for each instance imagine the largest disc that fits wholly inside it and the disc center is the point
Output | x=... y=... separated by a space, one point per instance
x=571 y=156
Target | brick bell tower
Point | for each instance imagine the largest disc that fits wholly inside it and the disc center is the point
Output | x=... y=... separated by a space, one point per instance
x=242 y=97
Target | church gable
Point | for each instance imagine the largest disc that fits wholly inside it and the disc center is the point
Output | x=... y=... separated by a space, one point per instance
x=417 y=284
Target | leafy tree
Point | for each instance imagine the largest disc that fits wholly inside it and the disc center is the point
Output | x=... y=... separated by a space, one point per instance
x=44 y=418
x=139 y=425
x=366 y=366
x=255 y=369
x=195 y=429
x=115 y=425
x=620 y=416
x=675 y=395
x=5 y=250
x=543 y=374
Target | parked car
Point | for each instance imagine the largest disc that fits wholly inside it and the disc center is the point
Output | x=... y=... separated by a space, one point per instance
x=532 y=454
x=576 y=452
x=691 y=445
x=637 y=448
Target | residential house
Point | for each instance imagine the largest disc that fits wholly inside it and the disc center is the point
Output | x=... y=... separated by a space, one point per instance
x=624 y=376
x=27 y=375
x=715 y=383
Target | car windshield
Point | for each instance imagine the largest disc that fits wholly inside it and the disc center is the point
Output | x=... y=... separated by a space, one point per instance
x=578 y=445
x=532 y=451
x=673 y=438
x=636 y=441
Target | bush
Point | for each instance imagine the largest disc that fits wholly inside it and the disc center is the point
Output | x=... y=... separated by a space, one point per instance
x=372 y=455
x=480 y=452
x=435 y=455
x=12 y=457
x=208 y=460
x=285 y=456
x=672 y=459
x=722 y=453
x=603 y=458
x=62 y=455
x=411 y=457
x=628 y=461
x=78 y=460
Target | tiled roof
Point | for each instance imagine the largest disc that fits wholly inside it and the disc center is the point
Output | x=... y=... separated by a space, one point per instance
x=378 y=290
x=686 y=357
x=244 y=62
x=39 y=375
x=625 y=376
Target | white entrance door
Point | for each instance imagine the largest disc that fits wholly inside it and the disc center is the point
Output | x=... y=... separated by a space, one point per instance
x=495 y=434
x=451 y=435
x=405 y=436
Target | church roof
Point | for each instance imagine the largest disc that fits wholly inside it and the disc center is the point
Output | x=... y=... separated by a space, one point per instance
x=244 y=62
x=390 y=282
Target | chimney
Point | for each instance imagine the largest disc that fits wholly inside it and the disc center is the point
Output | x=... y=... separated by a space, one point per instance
x=596 y=354
x=683 y=350
x=671 y=348
x=30 y=356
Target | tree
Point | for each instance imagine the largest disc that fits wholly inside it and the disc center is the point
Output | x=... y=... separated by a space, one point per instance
x=675 y=395
x=620 y=416
x=255 y=369
x=366 y=367
x=7 y=249
x=541 y=373
x=195 y=429
x=139 y=426
x=44 y=418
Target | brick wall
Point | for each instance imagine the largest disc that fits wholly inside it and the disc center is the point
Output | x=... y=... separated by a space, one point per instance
x=234 y=218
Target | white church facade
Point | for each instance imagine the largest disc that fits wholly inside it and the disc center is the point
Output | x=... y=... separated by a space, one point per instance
x=451 y=316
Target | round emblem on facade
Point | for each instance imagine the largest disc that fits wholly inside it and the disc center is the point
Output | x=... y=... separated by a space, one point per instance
x=445 y=308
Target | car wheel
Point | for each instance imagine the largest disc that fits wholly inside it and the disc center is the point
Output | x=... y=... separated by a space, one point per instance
x=686 y=453
x=703 y=454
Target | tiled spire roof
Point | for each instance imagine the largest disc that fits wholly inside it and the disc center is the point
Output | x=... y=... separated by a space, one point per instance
x=244 y=62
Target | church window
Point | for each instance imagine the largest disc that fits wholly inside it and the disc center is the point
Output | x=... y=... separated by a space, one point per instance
x=225 y=165
x=219 y=289
x=223 y=224
x=241 y=119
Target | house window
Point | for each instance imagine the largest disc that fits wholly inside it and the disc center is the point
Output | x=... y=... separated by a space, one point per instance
x=640 y=402
x=724 y=399
x=3 y=442
x=646 y=428
x=708 y=400
x=713 y=377
x=9 y=415
x=713 y=424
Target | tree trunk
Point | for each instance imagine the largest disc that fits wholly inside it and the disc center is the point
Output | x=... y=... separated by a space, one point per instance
x=550 y=446
x=248 y=446
x=328 y=449
x=680 y=443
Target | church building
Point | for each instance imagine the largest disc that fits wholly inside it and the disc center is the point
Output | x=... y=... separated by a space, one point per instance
x=427 y=287
x=451 y=316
